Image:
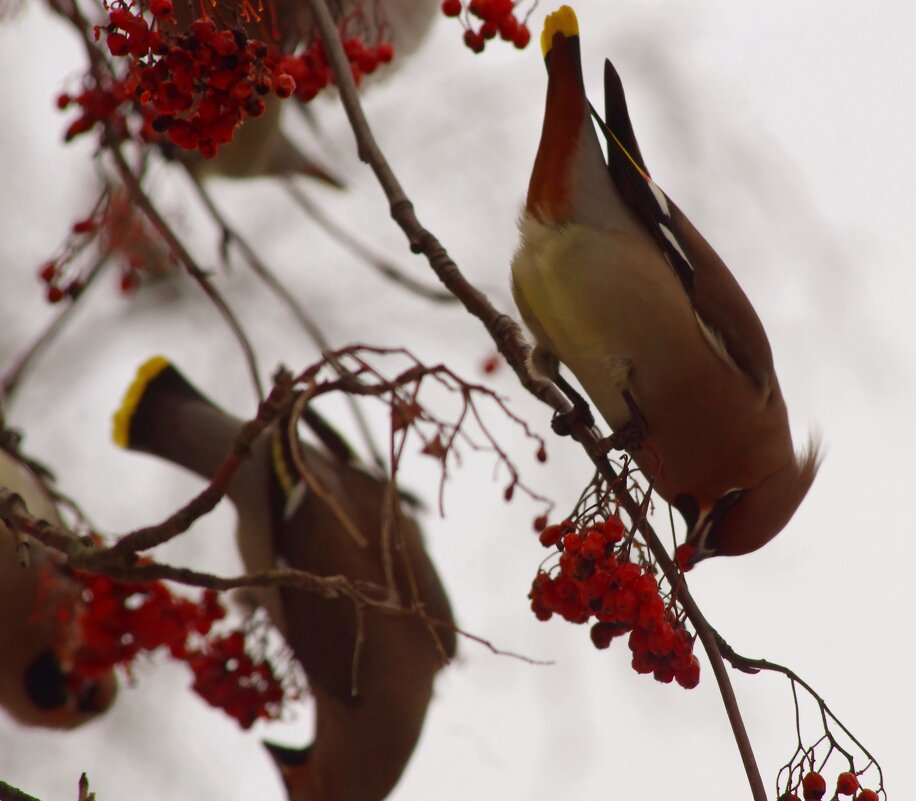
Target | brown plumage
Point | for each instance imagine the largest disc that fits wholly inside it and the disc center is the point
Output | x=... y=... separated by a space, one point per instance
x=363 y=740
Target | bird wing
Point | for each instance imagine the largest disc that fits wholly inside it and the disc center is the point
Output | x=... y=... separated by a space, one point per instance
x=724 y=314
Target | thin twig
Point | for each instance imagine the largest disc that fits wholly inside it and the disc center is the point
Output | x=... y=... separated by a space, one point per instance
x=748 y=665
x=358 y=249
x=511 y=344
x=142 y=201
x=13 y=375
x=305 y=320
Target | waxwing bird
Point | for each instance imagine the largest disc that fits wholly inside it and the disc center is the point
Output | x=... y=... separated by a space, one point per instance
x=259 y=147
x=615 y=283
x=35 y=686
x=363 y=740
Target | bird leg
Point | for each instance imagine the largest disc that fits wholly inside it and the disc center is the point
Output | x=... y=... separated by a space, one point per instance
x=543 y=363
x=563 y=422
x=631 y=435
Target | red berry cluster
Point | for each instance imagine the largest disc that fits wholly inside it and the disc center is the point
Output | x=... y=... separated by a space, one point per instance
x=814 y=788
x=227 y=677
x=118 y=622
x=200 y=84
x=197 y=86
x=97 y=105
x=306 y=74
x=123 y=234
x=597 y=579
x=497 y=17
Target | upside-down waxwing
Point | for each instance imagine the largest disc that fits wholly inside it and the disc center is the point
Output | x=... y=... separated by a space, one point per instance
x=615 y=282
x=363 y=740
x=35 y=687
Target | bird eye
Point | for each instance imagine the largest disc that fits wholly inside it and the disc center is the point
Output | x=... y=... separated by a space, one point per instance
x=45 y=682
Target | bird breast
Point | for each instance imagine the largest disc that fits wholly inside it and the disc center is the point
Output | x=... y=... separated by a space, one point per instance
x=600 y=298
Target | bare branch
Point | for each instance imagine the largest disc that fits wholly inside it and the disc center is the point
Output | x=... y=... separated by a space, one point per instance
x=512 y=345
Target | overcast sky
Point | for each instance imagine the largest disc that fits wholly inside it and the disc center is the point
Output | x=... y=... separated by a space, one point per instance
x=786 y=132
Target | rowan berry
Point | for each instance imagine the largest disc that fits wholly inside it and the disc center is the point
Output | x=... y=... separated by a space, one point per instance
x=684 y=555
x=813 y=786
x=161 y=9
x=118 y=44
x=551 y=535
x=867 y=795
x=284 y=85
x=47 y=272
x=522 y=37
x=474 y=40
x=451 y=8
x=847 y=783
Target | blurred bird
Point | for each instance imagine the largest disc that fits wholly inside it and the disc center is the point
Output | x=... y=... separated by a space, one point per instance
x=35 y=687
x=616 y=283
x=363 y=739
x=259 y=147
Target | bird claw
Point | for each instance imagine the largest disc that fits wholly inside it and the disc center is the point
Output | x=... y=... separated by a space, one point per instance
x=632 y=434
x=563 y=423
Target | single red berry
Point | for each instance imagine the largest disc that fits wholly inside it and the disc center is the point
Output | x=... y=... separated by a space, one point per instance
x=813 y=786
x=550 y=535
x=603 y=633
x=84 y=226
x=64 y=100
x=867 y=795
x=684 y=556
x=540 y=523
x=161 y=8
x=204 y=30
x=593 y=545
x=541 y=455
x=508 y=28
x=47 y=272
x=490 y=364
x=474 y=40
x=489 y=30
x=284 y=85
x=847 y=783
x=118 y=44
x=613 y=529
x=789 y=797
x=572 y=543
x=54 y=294
x=522 y=37
x=451 y=8
x=385 y=52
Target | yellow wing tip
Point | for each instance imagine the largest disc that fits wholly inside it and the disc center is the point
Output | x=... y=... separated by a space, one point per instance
x=563 y=21
x=146 y=372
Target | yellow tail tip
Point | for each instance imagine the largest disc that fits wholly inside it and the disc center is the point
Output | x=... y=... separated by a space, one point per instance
x=564 y=21
x=146 y=372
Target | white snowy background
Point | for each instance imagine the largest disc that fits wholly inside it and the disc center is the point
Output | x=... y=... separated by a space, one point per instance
x=786 y=131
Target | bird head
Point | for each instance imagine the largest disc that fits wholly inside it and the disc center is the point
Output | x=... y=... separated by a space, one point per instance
x=744 y=519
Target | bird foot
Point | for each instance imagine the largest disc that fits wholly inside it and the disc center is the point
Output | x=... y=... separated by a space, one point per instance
x=632 y=434
x=563 y=423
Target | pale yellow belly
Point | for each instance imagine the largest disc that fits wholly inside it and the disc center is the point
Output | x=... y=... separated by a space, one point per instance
x=594 y=297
